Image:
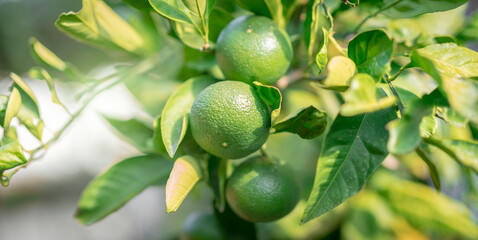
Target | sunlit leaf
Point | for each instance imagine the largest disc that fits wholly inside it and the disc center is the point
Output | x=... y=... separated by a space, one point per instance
x=463 y=96
x=449 y=60
x=45 y=56
x=11 y=155
x=110 y=190
x=411 y=8
x=424 y=208
x=321 y=59
x=42 y=74
x=428 y=126
x=272 y=96
x=28 y=114
x=184 y=176
x=372 y=52
x=174 y=118
x=134 y=132
x=172 y=9
x=12 y=107
x=354 y=148
x=363 y=96
x=340 y=71
x=410 y=32
x=189 y=35
x=308 y=123
x=97 y=24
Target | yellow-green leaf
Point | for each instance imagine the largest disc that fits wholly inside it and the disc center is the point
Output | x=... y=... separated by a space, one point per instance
x=13 y=106
x=363 y=96
x=184 y=176
x=340 y=70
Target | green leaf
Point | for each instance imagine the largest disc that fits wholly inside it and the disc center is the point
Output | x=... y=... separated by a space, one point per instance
x=217 y=169
x=423 y=208
x=134 y=132
x=112 y=189
x=189 y=35
x=184 y=176
x=142 y=5
x=322 y=58
x=428 y=126
x=372 y=52
x=97 y=24
x=410 y=32
x=43 y=55
x=174 y=119
x=158 y=145
x=354 y=148
x=218 y=20
x=405 y=132
x=449 y=60
x=411 y=8
x=308 y=123
x=340 y=71
x=311 y=27
x=172 y=9
x=431 y=167
x=470 y=31
x=272 y=96
x=463 y=96
x=363 y=96
x=13 y=106
x=276 y=10
x=29 y=115
x=465 y=151
x=42 y=74
x=11 y=155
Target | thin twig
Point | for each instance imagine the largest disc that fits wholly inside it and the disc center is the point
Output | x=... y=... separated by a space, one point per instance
x=395 y=93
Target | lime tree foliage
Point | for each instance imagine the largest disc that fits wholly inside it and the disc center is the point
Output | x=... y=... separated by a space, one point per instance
x=357 y=119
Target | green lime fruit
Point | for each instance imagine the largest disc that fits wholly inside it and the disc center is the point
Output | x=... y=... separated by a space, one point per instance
x=262 y=190
x=230 y=120
x=253 y=48
x=201 y=226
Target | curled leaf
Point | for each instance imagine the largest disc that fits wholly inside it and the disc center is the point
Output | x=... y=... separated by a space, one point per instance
x=308 y=123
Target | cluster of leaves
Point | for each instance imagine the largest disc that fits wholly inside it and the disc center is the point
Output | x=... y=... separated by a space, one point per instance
x=397 y=84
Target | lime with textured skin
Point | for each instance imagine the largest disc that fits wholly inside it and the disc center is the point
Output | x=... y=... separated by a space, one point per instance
x=262 y=190
x=230 y=120
x=201 y=226
x=253 y=48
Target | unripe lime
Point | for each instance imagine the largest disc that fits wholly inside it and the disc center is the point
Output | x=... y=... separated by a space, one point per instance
x=230 y=120
x=262 y=190
x=253 y=48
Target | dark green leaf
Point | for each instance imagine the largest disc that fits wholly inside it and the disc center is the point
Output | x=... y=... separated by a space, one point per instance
x=217 y=169
x=411 y=8
x=354 y=148
x=235 y=227
x=11 y=155
x=121 y=182
x=470 y=31
x=134 y=132
x=308 y=123
x=174 y=119
x=372 y=52
x=431 y=167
